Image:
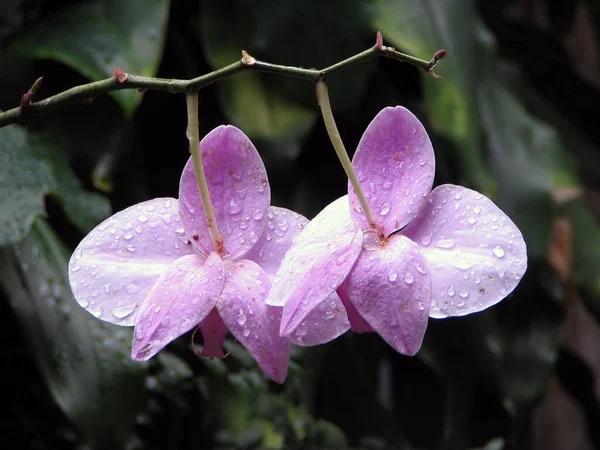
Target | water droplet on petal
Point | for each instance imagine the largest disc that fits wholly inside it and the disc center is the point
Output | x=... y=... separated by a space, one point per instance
x=471 y=220
x=426 y=240
x=258 y=214
x=246 y=332
x=477 y=210
x=392 y=276
x=446 y=243
x=409 y=278
x=451 y=291
x=142 y=218
x=132 y=288
x=95 y=311
x=498 y=251
x=385 y=208
x=123 y=311
x=234 y=208
x=241 y=319
x=127 y=236
x=387 y=185
x=464 y=293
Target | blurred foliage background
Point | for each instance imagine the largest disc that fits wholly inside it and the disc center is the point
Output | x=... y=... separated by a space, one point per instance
x=515 y=116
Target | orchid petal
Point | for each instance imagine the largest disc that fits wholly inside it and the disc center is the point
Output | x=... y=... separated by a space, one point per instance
x=182 y=297
x=254 y=323
x=316 y=264
x=282 y=227
x=390 y=288
x=477 y=255
x=327 y=321
x=357 y=323
x=214 y=332
x=238 y=187
x=395 y=164
x=116 y=265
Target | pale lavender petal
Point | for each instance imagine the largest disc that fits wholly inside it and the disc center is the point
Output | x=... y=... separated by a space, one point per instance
x=325 y=322
x=213 y=332
x=116 y=265
x=390 y=288
x=239 y=190
x=316 y=264
x=395 y=165
x=182 y=297
x=357 y=323
x=254 y=323
x=477 y=255
x=282 y=227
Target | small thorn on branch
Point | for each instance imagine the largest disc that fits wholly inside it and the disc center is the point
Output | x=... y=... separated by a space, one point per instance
x=120 y=76
x=27 y=98
x=247 y=60
x=379 y=41
x=437 y=57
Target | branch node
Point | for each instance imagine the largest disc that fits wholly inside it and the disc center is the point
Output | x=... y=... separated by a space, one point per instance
x=247 y=60
x=27 y=98
x=120 y=76
x=379 y=41
x=87 y=100
x=437 y=57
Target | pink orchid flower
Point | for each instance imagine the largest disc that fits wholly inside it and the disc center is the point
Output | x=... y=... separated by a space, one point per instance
x=446 y=252
x=154 y=265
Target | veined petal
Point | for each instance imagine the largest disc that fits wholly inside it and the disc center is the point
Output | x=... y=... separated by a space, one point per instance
x=182 y=297
x=324 y=323
x=395 y=165
x=282 y=227
x=116 y=265
x=238 y=187
x=254 y=323
x=316 y=264
x=390 y=287
x=477 y=255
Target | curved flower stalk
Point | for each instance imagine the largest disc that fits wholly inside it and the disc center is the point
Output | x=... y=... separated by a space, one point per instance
x=421 y=253
x=156 y=265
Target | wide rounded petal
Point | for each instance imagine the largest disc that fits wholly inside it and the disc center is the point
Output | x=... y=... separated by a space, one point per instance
x=238 y=187
x=390 y=287
x=254 y=323
x=282 y=227
x=182 y=297
x=395 y=165
x=477 y=255
x=116 y=265
x=316 y=264
x=327 y=321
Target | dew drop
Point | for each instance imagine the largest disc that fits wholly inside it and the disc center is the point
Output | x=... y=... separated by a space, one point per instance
x=426 y=239
x=451 y=291
x=471 y=220
x=95 y=311
x=446 y=243
x=462 y=264
x=409 y=278
x=241 y=319
x=246 y=332
x=385 y=208
x=258 y=214
x=150 y=208
x=372 y=188
x=157 y=309
x=420 y=306
x=132 y=288
x=243 y=225
x=464 y=293
x=127 y=236
x=234 y=208
x=387 y=185
x=477 y=210
x=142 y=218
x=392 y=276
x=123 y=311
x=421 y=269
x=498 y=251
x=78 y=254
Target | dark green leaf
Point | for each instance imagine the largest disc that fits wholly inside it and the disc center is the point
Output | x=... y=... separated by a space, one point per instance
x=24 y=181
x=85 y=362
x=94 y=38
x=33 y=166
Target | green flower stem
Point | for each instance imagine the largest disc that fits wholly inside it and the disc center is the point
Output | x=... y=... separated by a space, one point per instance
x=122 y=80
x=338 y=145
x=194 y=138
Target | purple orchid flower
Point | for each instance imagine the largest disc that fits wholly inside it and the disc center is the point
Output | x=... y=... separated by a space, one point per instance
x=154 y=265
x=446 y=252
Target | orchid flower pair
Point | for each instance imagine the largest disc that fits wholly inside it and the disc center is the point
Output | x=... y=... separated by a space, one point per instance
x=154 y=265
x=277 y=279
